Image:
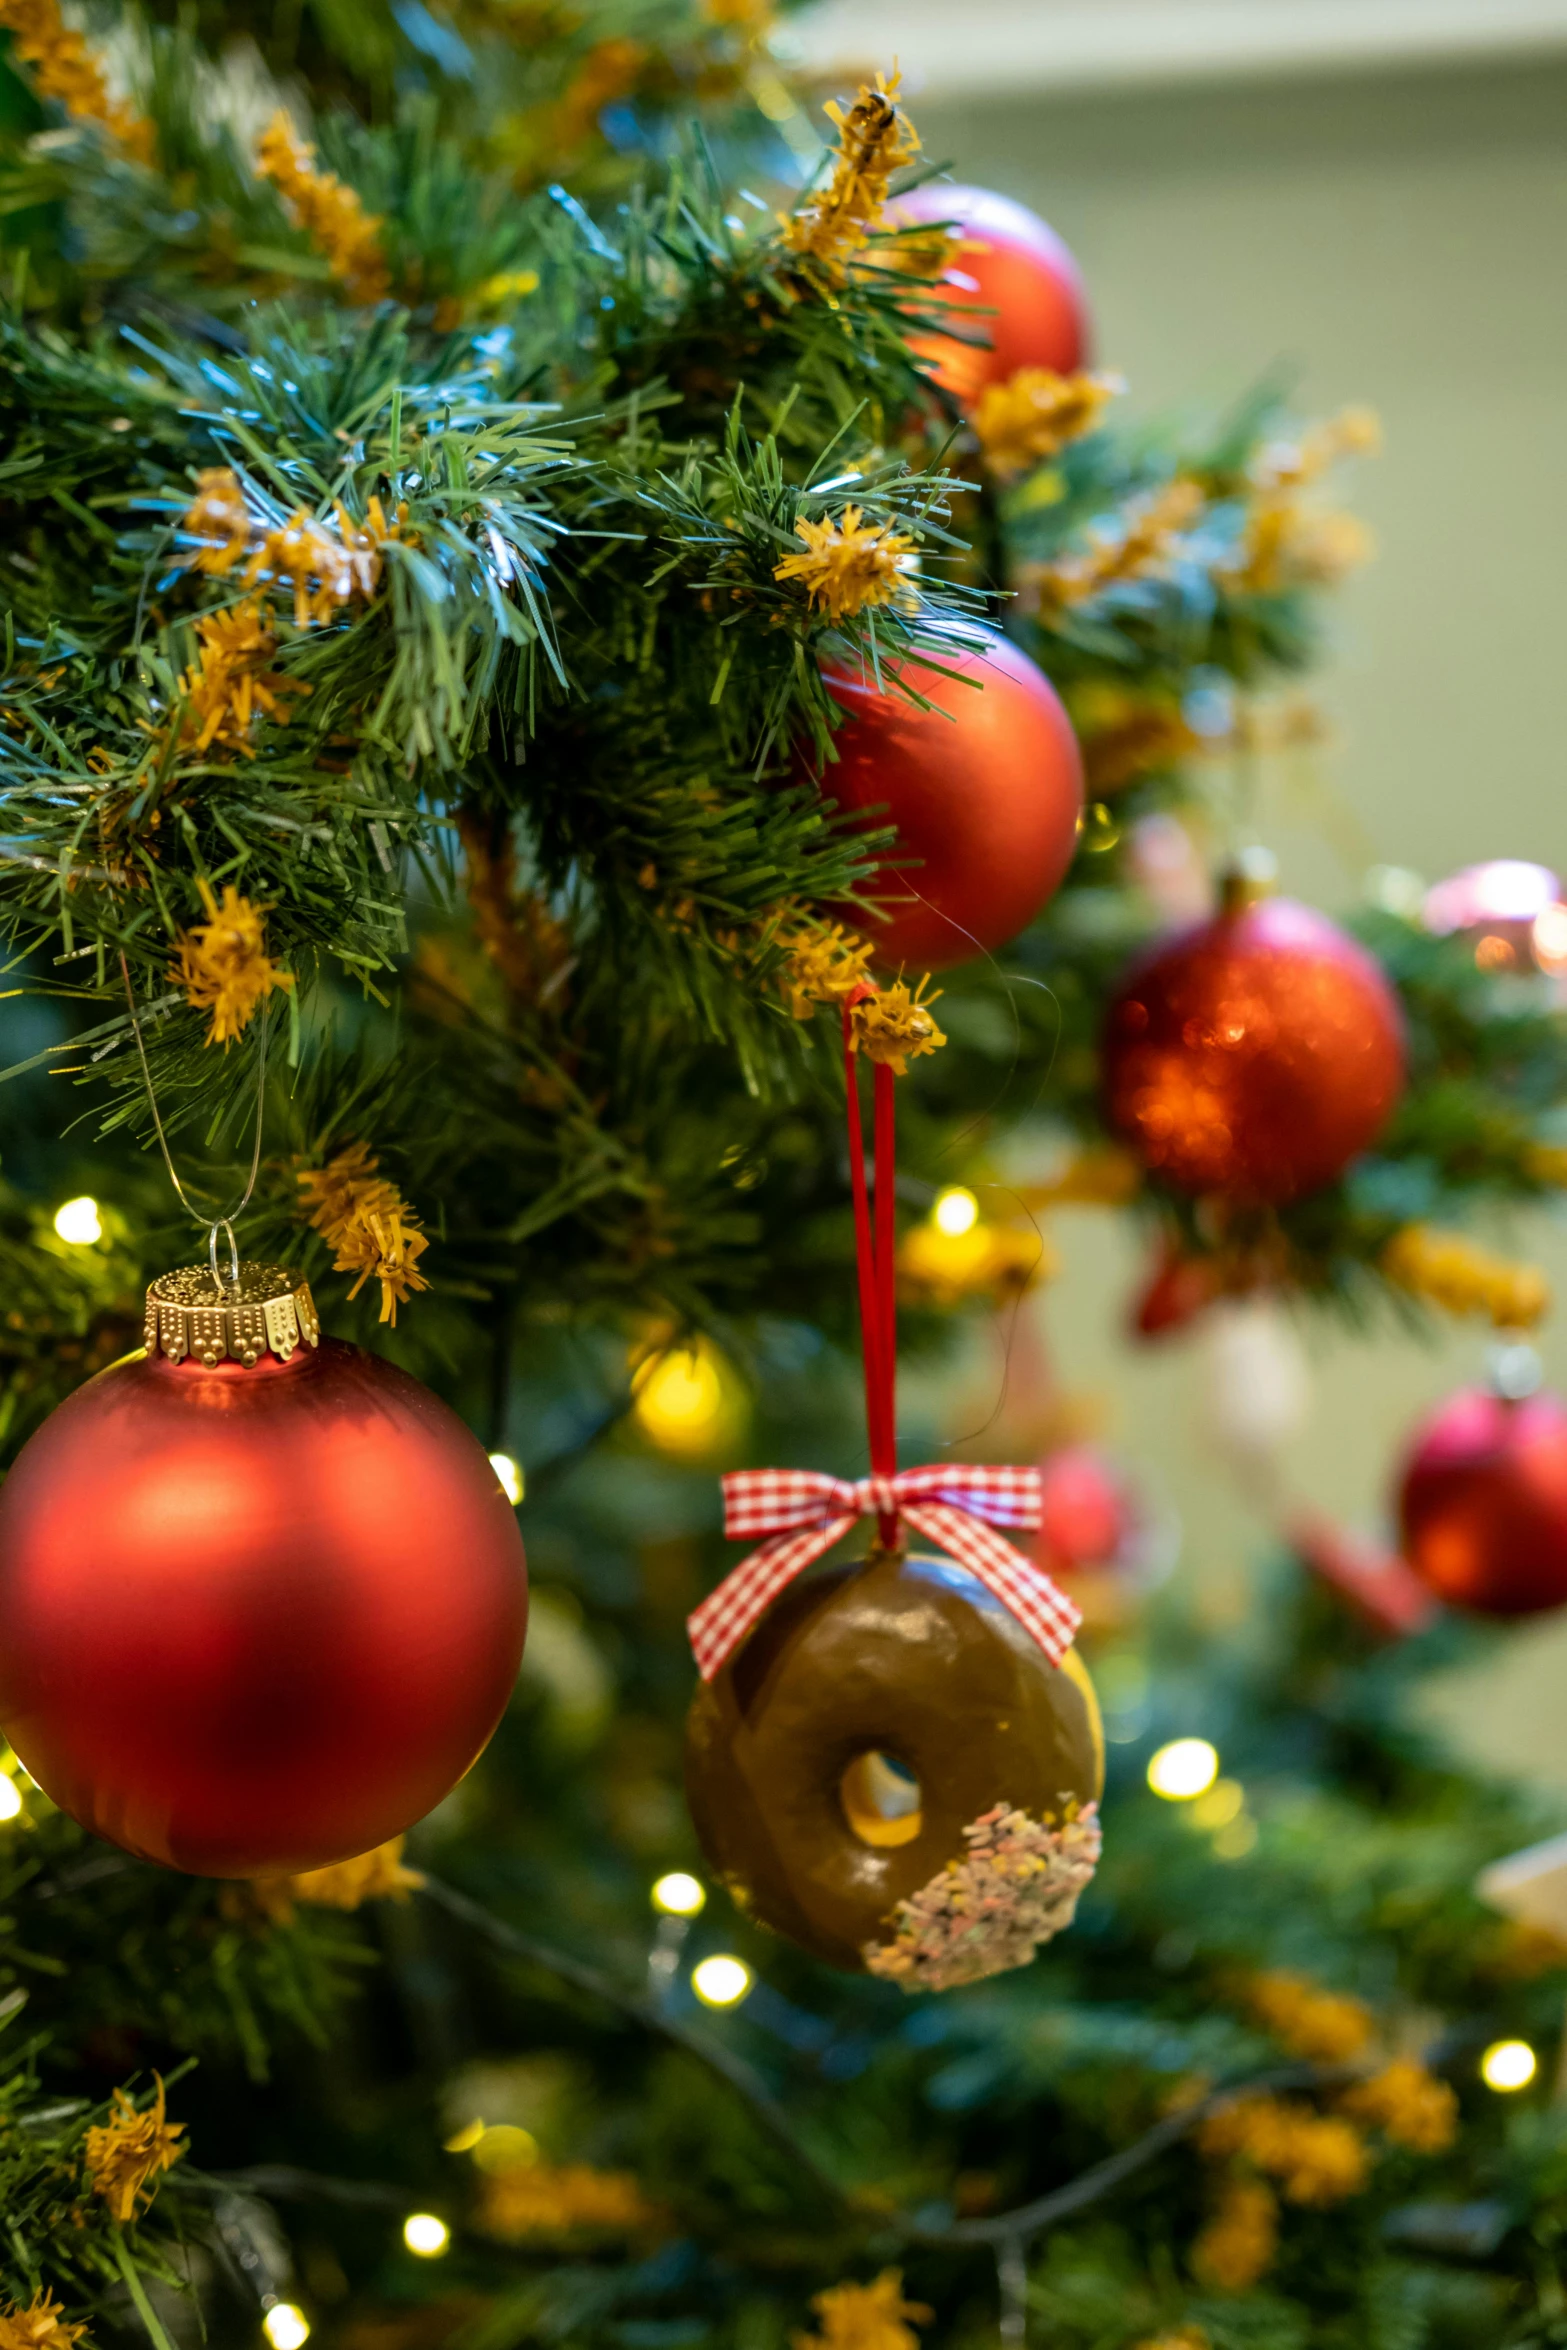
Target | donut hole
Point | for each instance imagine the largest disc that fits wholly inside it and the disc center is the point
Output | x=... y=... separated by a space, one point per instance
x=881 y=1799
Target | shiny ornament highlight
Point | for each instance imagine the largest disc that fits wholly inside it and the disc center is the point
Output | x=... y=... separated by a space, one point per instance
x=985 y=789
x=1483 y=1503
x=255 y=1619
x=1254 y=1056
x=1011 y=265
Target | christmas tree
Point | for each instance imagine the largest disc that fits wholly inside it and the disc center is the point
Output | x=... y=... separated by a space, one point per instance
x=455 y=532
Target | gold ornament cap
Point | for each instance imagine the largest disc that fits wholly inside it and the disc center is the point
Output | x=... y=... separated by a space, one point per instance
x=1248 y=879
x=236 y=1318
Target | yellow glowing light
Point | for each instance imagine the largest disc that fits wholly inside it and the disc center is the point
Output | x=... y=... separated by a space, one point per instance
x=506 y=2147
x=1184 y=1768
x=425 y=2234
x=510 y=1475
x=682 y=1400
x=1508 y=2064
x=721 y=1982
x=463 y=2141
x=286 y=2326
x=680 y=1895
x=10 y=1798
x=78 y=1222
x=955 y=1212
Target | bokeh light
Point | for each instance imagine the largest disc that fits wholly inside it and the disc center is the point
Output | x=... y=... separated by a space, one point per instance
x=425 y=2234
x=286 y=2326
x=1184 y=1768
x=679 y=1894
x=78 y=1222
x=956 y=1212
x=721 y=1981
x=1508 y=2064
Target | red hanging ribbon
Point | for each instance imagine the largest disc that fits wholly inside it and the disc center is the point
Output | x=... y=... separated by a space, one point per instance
x=805 y=1512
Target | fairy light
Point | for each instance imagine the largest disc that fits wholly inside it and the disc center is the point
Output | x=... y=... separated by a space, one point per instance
x=510 y=1474
x=955 y=1212
x=1508 y=2064
x=425 y=2234
x=463 y=2141
x=1183 y=1769
x=679 y=1895
x=10 y=1798
x=78 y=1222
x=286 y=2326
x=721 y=1981
x=681 y=1401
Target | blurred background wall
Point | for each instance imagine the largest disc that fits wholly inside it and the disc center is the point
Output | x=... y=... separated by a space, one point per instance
x=1387 y=218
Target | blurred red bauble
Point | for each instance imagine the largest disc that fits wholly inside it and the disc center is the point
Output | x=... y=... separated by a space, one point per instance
x=1175 y=1293
x=1483 y=1505
x=1254 y=1056
x=254 y=1619
x=986 y=798
x=1086 y=1512
x=1009 y=264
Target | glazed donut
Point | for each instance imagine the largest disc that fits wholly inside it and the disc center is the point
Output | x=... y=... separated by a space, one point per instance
x=861 y=1741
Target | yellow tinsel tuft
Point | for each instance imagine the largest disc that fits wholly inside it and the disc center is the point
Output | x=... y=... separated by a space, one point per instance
x=1033 y=415
x=373 y=1876
x=223 y=966
x=1103 y=1177
x=865 y=2317
x=1324 y=2027
x=327 y=209
x=548 y=2199
x=220 y=520
x=1407 y=2104
x=42 y=2325
x=327 y=569
x=1140 y=545
x=1288 y=543
x=894 y=1026
x=1184 y=2338
x=125 y=2156
x=850 y=565
x=995 y=1261
x=875 y=139
x=1451 y=1272
x=230 y=683
x=824 y=966
x=1239 y=2244
x=1317 y=2158
x=366 y=1220
x=64 y=70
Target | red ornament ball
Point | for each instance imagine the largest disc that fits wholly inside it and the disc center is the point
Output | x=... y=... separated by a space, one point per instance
x=1012 y=265
x=1483 y=1503
x=986 y=790
x=255 y=1620
x=1254 y=1056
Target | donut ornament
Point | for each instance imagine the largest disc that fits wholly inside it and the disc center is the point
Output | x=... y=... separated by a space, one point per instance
x=896 y=1764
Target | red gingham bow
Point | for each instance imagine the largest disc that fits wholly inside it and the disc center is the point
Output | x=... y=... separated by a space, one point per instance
x=804 y=1512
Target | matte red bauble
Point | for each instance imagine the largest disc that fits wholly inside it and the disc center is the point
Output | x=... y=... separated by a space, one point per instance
x=1013 y=266
x=1254 y=1056
x=1483 y=1506
x=985 y=789
x=258 y=1611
